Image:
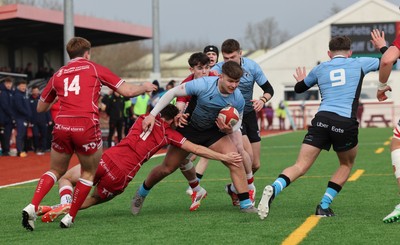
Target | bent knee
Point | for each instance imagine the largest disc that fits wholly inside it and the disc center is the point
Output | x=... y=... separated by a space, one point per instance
x=255 y=167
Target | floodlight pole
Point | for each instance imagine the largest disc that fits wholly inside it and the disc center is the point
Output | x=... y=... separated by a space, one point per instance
x=156 y=74
x=69 y=31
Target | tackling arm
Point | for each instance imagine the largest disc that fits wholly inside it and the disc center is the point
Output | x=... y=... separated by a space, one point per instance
x=232 y=158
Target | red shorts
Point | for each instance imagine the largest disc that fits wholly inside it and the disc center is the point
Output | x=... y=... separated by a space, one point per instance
x=109 y=179
x=80 y=134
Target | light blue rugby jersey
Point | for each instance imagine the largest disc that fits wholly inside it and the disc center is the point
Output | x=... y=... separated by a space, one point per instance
x=210 y=101
x=340 y=81
x=252 y=73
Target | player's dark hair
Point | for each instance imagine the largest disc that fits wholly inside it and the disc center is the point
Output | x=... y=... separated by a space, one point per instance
x=169 y=112
x=77 y=46
x=230 y=46
x=198 y=58
x=232 y=70
x=340 y=43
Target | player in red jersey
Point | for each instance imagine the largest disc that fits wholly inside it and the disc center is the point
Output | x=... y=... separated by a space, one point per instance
x=389 y=58
x=76 y=130
x=199 y=66
x=119 y=164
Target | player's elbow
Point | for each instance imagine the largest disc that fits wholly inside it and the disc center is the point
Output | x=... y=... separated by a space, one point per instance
x=386 y=62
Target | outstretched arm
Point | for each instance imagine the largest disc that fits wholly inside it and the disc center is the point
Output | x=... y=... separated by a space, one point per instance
x=232 y=158
x=148 y=122
x=132 y=90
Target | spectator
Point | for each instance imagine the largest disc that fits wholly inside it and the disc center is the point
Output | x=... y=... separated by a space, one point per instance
x=6 y=115
x=115 y=110
x=23 y=115
x=128 y=115
x=40 y=122
x=281 y=114
x=269 y=114
x=141 y=105
x=261 y=118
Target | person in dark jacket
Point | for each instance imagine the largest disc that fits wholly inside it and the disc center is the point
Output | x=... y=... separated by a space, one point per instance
x=6 y=115
x=115 y=105
x=39 y=122
x=23 y=115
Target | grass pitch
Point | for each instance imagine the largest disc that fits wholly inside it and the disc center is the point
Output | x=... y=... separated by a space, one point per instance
x=165 y=217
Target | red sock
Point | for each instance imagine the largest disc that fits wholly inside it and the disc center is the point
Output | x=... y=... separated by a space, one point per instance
x=44 y=185
x=81 y=191
x=66 y=190
x=250 y=181
x=194 y=184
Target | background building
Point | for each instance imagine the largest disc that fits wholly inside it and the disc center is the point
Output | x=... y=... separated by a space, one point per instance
x=310 y=47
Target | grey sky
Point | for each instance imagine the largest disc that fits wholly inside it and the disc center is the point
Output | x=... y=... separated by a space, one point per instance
x=213 y=21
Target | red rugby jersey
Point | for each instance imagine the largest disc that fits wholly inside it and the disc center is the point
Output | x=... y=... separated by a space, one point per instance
x=77 y=86
x=138 y=147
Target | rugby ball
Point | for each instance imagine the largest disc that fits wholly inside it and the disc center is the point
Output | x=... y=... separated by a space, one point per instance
x=229 y=115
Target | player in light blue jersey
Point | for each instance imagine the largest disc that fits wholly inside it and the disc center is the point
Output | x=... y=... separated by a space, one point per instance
x=252 y=74
x=204 y=128
x=335 y=123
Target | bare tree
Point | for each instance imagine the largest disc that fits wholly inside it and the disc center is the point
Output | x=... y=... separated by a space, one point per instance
x=265 y=34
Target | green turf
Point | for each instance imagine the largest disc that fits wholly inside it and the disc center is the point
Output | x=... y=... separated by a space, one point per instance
x=165 y=217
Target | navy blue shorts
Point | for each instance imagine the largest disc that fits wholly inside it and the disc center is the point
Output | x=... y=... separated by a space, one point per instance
x=250 y=127
x=201 y=137
x=329 y=128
